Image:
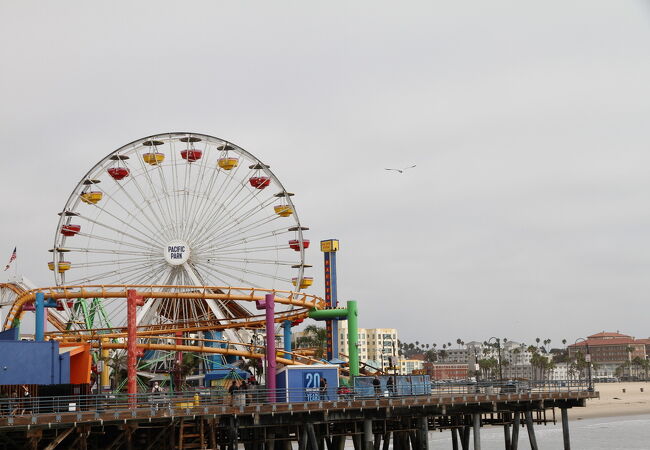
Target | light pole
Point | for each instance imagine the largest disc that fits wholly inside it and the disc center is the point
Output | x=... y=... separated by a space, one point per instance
x=498 y=346
x=588 y=361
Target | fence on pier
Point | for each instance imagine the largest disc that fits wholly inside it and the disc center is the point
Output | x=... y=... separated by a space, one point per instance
x=256 y=395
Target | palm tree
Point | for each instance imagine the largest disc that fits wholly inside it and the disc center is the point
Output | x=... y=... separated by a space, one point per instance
x=313 y=337
x=458 y=341
x=117 y=363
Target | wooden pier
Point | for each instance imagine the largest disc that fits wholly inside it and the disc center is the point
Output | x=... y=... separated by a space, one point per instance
x=370 y=423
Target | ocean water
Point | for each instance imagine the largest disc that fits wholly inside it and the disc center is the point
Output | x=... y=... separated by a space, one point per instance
x=611 y=433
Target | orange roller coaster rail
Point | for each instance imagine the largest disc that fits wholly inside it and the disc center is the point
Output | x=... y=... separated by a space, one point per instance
x=301 y=301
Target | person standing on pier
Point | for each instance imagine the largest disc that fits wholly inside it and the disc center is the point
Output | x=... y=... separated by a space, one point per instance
x=377 y=385
x=156 y=395
x=323 y=389
x=27 y=400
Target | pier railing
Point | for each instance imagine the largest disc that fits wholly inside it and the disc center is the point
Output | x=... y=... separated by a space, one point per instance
x=256 y=395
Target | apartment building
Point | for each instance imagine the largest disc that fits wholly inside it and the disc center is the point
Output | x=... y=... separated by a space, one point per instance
x=377 y=346
x=408 y=366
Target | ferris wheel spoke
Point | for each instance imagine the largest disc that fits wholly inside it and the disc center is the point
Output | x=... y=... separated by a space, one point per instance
x=156 y=224
x=143 y=277
x=215 y=244
x=166 y=191
x=232 y=276
x=219 y=196
x=198 y=198
x=174 y=177
x=113 y=262
x=125 y=270
x=166 y=215
x=244 y=250
x=124 y=233
x=160 y=222
x=109 y=251
x=208 y=259
x=237 y=216
x=245 y=228
x=205 y=202
x=114 y=241
x=124 y=209
x=248 y=271
x=184 y=193
x=243 y=198
x=220 y=241
x=240 y=231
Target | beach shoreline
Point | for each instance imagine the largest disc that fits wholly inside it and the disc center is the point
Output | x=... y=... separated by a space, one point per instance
x=613 y=402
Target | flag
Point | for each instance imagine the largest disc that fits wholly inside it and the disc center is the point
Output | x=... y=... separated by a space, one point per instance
x=13 y=257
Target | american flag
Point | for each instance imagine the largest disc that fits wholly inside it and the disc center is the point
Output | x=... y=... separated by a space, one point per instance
x=13 y=257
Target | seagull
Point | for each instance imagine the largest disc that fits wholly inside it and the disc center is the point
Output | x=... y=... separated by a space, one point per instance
x=403 y=169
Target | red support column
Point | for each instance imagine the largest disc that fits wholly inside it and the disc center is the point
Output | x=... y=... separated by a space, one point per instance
x=133 y=301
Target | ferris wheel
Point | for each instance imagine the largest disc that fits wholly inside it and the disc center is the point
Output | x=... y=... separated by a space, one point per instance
x=182 y=209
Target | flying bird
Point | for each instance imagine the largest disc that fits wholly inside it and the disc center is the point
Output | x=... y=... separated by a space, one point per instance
x=403 y=169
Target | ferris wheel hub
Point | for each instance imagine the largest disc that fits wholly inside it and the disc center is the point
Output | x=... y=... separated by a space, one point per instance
x=177 y=252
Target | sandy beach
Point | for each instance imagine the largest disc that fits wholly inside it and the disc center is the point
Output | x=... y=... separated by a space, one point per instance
x=614 y=402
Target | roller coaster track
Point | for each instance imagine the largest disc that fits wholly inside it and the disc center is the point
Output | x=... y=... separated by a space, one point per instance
x=301 y=303
x=115 y=338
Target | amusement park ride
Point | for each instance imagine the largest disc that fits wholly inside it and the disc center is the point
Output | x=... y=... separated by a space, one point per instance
x=192 y=234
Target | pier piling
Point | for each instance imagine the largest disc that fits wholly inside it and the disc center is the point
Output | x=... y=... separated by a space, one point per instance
x=528 y=415
x=477 y=431
x=516 y=424
x=565 y=429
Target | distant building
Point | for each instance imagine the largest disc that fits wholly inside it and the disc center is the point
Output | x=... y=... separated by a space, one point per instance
x=408 y=366
x=455 y=355
x=518 y=371
x=375 y=344
x=444 y=371
x=559 y=372
x=609 y=351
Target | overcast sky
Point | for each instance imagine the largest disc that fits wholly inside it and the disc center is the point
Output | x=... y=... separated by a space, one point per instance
x=527 y=214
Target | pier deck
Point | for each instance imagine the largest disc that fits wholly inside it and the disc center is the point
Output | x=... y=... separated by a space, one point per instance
x=213 y=422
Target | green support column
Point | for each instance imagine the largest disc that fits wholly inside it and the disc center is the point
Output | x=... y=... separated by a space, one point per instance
x=353 y=338
x=351 y=313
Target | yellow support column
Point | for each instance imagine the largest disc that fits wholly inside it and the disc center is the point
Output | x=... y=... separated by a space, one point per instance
x=106 y=375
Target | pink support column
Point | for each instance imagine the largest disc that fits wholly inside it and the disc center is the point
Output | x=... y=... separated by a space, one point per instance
x=133 y=300
x=268 y=304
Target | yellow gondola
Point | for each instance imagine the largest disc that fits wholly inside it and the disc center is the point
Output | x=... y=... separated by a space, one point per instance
x=228 y=163
x=283 y=210
x=304 y=283
x=153 y=158
x=91 y=197
x=63 y=266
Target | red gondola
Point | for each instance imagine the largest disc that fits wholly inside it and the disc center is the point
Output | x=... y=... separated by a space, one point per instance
x=295 y=244
x=118 y=173
x=260 y=182
x=191 y=155
x=59 y=305
x=70 y=230
x=297 y=322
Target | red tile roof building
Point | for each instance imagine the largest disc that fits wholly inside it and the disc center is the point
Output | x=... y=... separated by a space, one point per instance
x=609 y=350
